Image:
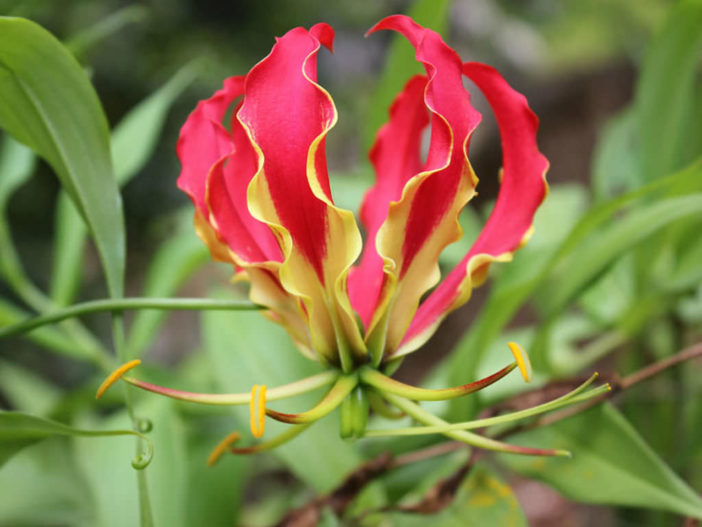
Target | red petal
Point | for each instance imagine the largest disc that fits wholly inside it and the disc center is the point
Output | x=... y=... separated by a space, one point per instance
x=396 y=158
x=522 y=190
x=287 y=116
x=203 y=141
x=249 y=239
x=424 y=221
x=284 y=113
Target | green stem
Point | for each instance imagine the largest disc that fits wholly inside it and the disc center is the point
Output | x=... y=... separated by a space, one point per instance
x=333 y=398
x=286 y=436
x=387 y=384
x=226 y=399
x=145 y=513
x=491 y=421
x=11 y=268
x=124 y=304
x=429 y=419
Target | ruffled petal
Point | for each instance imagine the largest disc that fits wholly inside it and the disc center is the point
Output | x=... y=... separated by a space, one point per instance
x=396 y=158
x=425 y=219
x=287 y=115
x=523 y=189
x=249 y=239
x=204 y=140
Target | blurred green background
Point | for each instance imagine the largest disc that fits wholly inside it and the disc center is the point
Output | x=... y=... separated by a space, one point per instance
x=577 y=62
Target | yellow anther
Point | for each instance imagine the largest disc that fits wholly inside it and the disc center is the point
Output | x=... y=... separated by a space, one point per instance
x=522 y=360
x=258 y=411
x=115 y=376
x=221 y=447
x=261 y=410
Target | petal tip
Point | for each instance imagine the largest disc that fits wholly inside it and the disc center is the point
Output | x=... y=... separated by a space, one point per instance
x=325 y=34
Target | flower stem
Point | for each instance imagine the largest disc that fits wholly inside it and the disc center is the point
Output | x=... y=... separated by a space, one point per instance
x=145 y=513
x=286 y=436
x=124 y=304
x=387 y=384
x=228 y=399
x=429 y=419
x=491 y=421
x=333 y=398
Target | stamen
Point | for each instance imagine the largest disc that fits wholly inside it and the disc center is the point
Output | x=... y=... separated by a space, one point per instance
x=281 y=439
x=221 y=447
x=261 y=410
x=522 y=360
x=115 y=376
x=258 y=411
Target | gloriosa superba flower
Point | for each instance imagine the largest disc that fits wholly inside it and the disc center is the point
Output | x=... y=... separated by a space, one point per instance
x=263 y=202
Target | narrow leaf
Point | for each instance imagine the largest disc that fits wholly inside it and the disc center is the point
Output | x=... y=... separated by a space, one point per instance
x=19 y=430
x=611 y=464
x=664 y=93
x=47 y=102
x=16 y=166
x=133 y=142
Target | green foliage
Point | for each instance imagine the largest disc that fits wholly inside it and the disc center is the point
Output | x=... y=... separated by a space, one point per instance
x=242 y=348
x=18 y=430
x=612 y=464
x=133 y=141
x=50 y=105
x=482 y=499
x=620 y=274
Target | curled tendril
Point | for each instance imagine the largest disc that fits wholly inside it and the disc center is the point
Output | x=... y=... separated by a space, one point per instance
x=144 y=425
x=142 y=460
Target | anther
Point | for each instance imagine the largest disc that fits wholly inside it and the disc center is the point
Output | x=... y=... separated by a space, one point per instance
x=522 y=360
x=257 y=410
x=221 y=447
x=115 y=376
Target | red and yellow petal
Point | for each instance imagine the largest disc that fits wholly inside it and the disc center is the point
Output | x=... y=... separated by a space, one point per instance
x=523 y=189
x=204 y=140
x=424 y=220
x=396 y=158
x=287 y=115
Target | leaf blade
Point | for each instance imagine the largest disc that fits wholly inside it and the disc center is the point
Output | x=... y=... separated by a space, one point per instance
x=49 y=104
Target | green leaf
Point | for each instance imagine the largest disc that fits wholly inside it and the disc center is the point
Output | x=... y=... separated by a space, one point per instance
x=615 y=159
x=173 y=264
x=69 y=241
x=247 y=349
x=16 y=166
x=665 y=90
x=592 y=258
x=400 y=64
x=112 y=479
x=19 y=430
x=47 y=336
x=482 y=499
x=133 y=142
x=25 y=390
x=611 y=464
x=43 y=486
x=80 y=43
x=215 y=493
x=506 y=298
x=135 y=138
x=48 y=104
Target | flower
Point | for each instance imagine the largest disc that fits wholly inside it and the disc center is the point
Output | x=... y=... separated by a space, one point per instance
x=263 y=202
x=253 y=163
